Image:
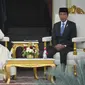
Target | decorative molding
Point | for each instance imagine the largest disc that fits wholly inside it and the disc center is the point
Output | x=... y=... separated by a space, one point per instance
x=76 y=10
x=73 y=9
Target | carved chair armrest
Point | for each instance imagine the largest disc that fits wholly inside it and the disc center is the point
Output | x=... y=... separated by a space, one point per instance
x=5 y=39
x=46 y=39
x=76 y=40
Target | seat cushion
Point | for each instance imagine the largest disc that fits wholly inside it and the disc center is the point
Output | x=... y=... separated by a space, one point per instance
x=69 y=62
x=80 y=55
x=70 y=57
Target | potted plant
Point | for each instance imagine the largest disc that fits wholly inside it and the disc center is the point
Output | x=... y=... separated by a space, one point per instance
x=67 y=77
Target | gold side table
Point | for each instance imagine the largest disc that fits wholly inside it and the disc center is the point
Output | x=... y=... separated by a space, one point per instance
x=22 y=44
x=28 y=63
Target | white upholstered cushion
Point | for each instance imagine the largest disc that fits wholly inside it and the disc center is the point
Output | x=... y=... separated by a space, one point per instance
x=78 y=39
x=5 y=55
x=69 y=62
x=1 y=35
x=5 y=39
x=47 y=39
x=70 y=57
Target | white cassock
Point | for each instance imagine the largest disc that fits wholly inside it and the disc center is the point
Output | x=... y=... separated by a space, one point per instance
x=1 y=35
x=4 y=55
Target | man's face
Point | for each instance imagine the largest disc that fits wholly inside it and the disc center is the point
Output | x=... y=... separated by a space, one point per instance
x=63 y=16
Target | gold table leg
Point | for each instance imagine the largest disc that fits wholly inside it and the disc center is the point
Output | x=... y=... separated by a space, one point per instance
x=5 y=74
x=8 y=81
x=35 y=73
x=8 y=74
x=45 y=72
x=50 y=78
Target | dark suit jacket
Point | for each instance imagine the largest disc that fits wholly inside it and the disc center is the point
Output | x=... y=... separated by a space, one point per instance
x=68 y=34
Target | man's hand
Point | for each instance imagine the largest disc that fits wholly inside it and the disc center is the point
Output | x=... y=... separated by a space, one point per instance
x=59 y=47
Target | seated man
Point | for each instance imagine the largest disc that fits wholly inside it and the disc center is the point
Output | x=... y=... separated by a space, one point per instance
x=4 y=55
x=62 y=35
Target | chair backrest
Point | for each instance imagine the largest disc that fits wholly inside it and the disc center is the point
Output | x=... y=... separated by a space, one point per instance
x=79 y=19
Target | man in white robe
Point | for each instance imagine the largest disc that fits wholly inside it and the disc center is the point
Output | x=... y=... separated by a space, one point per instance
x=1 y=35
x=4 y=55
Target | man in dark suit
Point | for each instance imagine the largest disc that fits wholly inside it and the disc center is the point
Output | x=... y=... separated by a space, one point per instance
x=62 y=35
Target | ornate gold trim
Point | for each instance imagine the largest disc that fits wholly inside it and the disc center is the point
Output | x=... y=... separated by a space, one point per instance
x=75 y=72
x=76 y=10
x=75 y=49
x=6 y=43
x=73 y=9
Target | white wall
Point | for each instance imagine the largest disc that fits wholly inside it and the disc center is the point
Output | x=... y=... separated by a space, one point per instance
x=56 y=5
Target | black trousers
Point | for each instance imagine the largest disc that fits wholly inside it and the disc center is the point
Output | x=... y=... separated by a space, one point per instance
x=63 y=53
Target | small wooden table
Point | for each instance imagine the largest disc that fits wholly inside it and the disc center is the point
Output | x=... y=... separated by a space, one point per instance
x=29 y=63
